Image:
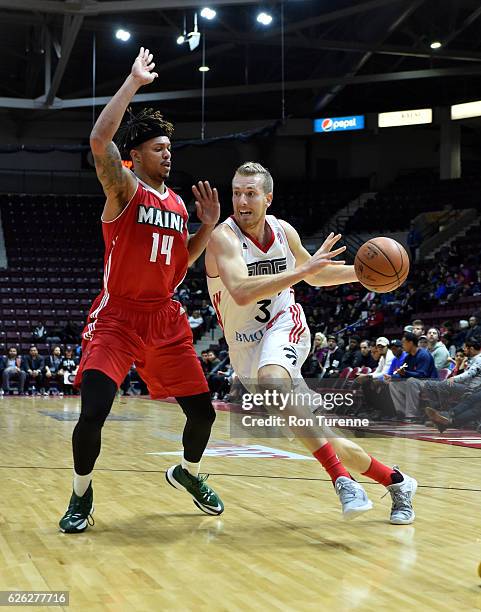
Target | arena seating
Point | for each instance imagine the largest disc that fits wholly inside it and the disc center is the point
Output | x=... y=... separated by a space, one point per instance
x=308 y=205
x=54 y=250
x=55 y=254
x=393 y=208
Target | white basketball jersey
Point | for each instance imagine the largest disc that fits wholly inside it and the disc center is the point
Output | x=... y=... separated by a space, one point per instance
x=245 y=324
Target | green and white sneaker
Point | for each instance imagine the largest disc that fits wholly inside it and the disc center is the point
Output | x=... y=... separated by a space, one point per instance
x=79 y=512
x=203 y=496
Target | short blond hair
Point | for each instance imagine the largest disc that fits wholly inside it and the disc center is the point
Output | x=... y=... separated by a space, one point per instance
x=252 y=169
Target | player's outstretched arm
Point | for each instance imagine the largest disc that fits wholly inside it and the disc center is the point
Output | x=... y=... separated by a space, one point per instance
x=328 y=275
x=118 y=183
x=225 y=247
x=208 y=212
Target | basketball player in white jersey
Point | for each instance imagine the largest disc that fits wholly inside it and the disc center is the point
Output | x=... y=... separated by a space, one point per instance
x=252 y=260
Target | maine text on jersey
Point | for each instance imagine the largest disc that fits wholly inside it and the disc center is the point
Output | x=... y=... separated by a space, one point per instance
x=150 y=215
x=267 y=266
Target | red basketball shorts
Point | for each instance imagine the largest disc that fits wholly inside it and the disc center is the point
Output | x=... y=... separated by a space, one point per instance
x=158 y=341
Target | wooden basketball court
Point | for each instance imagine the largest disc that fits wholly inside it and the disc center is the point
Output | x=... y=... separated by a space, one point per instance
x=280 y=545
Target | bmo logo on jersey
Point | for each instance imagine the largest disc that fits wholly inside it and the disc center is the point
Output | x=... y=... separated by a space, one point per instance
x=268 y=266
x=254 y=337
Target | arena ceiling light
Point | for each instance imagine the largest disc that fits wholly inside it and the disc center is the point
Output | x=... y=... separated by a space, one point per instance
x=122 y=35
x=407 y=117
x=264 y=18
x=466 y=111
x=436 y=44
x=208 y=13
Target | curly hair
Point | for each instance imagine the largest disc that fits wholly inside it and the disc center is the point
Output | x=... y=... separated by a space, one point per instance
x=139 y=128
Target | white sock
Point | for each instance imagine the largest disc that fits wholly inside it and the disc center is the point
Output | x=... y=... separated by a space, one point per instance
x=81 y=483
x=192 y=468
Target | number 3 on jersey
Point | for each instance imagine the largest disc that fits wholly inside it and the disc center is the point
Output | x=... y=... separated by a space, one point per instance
x=165 y=248
x=264 y=308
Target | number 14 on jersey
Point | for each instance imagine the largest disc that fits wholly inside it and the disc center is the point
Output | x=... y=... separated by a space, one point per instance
x=165 y=247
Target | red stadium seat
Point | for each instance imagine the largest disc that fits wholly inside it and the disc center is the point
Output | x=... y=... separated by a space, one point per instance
x=343 y=378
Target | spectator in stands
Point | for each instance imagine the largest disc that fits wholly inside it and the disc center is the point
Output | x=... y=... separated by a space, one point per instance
x=34 y=365
x=39 y=333
x=458 y=386
x=196 y=323
x=460 y=338
x=459 y=363
x=212 y=359
x=423 y=342
x=353 y=356
x=437 y=349
x=474 y=330
x=136 y=378
x=447 y=340
x=220 y=382
x=418 y=328
x=214 y=365
x=126 y=384
x=208 y=315
x=466 y=412
x=204 y=362
x=399 y=357
x=222 y=348
x=406 y=382
x=414 y=240
x=12 y=368
x=71 y=332
x=312 y=367
x=331 y=360
x=375 y=320
x=69 y=367
x=184 y=294
x=376 y=397
x=53 y=363
x=340 y=308
x=407 y=302
x=367 y=360
x=385 y=359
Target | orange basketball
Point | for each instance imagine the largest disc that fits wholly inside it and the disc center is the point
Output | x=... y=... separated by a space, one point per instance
x=382 y=264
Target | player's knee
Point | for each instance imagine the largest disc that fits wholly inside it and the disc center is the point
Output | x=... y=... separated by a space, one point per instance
x=98 y=392
x=198 y=408
x=272 y=380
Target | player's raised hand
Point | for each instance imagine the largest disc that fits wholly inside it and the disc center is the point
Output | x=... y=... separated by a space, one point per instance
x=324 y=255
x=206 y=203
x=143 y=66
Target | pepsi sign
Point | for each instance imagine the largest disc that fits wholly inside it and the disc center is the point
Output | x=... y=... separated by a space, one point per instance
x=339 y=124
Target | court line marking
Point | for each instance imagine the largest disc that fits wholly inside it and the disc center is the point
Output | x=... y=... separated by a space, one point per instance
x=269 y=476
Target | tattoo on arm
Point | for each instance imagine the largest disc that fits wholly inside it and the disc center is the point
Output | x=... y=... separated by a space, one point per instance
x=110 y=171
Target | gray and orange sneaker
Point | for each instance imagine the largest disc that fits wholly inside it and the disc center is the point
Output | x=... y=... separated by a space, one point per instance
x=353 y=497
x=402 y=493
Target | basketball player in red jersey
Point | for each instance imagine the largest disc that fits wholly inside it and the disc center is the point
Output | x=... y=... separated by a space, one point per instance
x=134 y=319
x=252 y=260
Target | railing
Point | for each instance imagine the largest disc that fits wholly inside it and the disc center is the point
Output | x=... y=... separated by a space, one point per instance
x=444 y=219
x=352 y=241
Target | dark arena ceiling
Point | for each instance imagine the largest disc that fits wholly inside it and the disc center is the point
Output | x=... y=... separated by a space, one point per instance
x=330 y=57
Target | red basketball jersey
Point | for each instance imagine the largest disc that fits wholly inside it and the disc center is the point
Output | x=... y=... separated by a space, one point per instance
x=146 y=254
